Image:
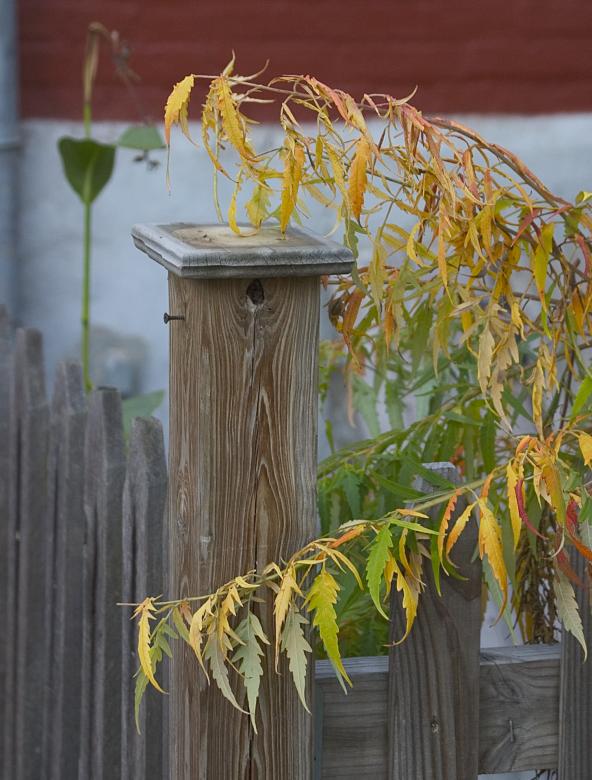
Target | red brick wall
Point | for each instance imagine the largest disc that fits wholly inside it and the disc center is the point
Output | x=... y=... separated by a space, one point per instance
x=518 y=56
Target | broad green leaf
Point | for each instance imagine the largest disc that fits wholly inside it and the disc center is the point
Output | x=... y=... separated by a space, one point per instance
x=88 y=165
x=377 y=558
x=140 y=406
x=144 y=138
x=295 y=646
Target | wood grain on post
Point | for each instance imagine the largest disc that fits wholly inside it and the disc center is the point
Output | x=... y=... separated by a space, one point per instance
x=100 y=748
x=434 y=675
x=243 y=411
x=575 y=706
x=27 y=537
x=144 y=500
x=5 y=360
x=63 y=593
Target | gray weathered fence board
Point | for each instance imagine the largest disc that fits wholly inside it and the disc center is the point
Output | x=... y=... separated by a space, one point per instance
x=519 y=708
x=521 y=682
x=29 y=442
x=144 y=501
x=100 y=755
x=575 y=716
x=64 y=573
x=433 y=700
x=5 y=359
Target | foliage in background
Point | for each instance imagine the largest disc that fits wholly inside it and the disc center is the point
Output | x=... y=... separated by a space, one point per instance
x=88 y=164
x=468 y=316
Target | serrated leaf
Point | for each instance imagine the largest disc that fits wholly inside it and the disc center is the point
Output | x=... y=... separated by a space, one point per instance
x=145 y=613
x=490 y=544
x=358 y=176
x=248 y=659
x=176 y=109
x=217 y=660
x=377 y=560
x=293 y=167
x=295 y=646
x=288 y=587
x=321 y=600
x=567 y=609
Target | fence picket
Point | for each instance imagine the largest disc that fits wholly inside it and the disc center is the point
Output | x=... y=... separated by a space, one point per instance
x=575 y=696
x=100 y=753
x=433 y=700
x=27 y=536
x=144 y=500
x=5 y=359
x=64 y=573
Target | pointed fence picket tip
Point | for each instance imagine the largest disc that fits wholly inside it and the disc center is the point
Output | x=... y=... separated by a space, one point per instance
x=215 y=251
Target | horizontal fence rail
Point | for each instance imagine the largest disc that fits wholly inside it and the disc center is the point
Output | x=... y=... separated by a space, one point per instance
x=82 y=528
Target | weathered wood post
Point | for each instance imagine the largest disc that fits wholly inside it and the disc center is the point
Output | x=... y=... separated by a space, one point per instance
x=242 y=462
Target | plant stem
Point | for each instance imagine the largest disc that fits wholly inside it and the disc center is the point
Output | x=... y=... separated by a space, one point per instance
x=85 y=316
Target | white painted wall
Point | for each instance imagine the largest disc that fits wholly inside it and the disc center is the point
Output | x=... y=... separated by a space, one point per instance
x=129 y=291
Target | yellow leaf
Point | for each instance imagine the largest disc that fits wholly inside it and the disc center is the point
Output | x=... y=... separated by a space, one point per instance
x=293 y=167
x=232 y=121
x=512 y=481
x=442 y=266
x=358 y=177
x=450 y=507
x=585 y=442
x=176 y=109
x=146 y=612
x=288 y=587
x=411 y=590
x=490 y=544
x=540 y=260
x=486 y=346
x=458 y=528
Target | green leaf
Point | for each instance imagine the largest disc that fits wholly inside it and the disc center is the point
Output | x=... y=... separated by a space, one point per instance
x=88 y=165
x=141 y=685
x=377 y=558
x=582 y=396
x=140 y=406
x=321 y=600
x=295 y=646
x=567 y=609
x=248 y=659
x=350 y=482
x=488 y=441
x=144 y=138
x=214 y=654
x=365 y=400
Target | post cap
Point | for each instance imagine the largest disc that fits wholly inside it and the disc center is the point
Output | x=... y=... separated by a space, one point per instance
x=215 y=251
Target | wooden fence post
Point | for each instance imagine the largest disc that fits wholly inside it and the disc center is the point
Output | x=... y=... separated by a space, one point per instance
x=27 y=535
x=575 y=692
x=5 y=359
x=144 y=499
x=433 y=706
x=243 y=411
x=63 y=595
x=100 y=722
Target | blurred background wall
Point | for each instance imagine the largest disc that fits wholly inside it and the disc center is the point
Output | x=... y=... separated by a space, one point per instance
x=519 y=71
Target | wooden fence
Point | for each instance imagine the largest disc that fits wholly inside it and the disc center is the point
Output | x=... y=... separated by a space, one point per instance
x=81 y=528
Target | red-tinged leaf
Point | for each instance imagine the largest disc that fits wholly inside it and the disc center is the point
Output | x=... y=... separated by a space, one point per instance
x=586 y=252
x=522 y=509
x=565 y=566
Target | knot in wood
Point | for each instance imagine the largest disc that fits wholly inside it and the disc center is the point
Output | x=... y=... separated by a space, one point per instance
x=255 y=292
